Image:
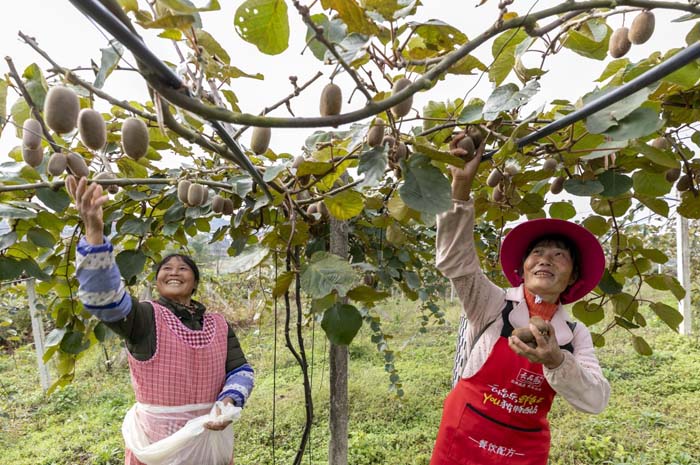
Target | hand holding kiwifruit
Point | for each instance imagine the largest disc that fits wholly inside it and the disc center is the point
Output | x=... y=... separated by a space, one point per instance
x=526 y=335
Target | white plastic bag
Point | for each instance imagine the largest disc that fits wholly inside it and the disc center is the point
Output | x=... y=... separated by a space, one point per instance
x=159 y=435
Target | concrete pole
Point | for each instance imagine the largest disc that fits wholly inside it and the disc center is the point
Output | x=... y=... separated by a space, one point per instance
x=683 y=264
x=38 y=333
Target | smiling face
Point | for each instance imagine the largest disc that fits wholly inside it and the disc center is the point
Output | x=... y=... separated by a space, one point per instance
x=548 y=270
x=176 y=280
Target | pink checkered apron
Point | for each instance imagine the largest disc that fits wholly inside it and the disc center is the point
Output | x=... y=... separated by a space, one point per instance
x=188 y=367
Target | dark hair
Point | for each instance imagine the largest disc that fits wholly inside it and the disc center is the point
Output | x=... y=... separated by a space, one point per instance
x=188 y=261
x=560 y=241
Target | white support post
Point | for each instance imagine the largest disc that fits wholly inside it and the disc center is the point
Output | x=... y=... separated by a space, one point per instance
x=38 y=333
x=683 y=264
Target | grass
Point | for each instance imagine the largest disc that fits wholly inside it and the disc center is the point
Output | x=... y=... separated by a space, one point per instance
x=651 y=419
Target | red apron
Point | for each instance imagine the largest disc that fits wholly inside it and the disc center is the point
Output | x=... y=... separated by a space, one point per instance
x=497 y=416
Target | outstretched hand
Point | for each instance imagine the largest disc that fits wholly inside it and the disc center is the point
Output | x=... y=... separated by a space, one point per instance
x=462 y=178
x=218 y=425
x=547 y=351
x=89 y=199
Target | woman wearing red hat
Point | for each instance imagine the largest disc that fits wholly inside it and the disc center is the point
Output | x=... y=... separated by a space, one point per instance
x=497 y=411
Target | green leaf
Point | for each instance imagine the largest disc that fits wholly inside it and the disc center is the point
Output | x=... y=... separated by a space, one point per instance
x=641 y=122
x=9 y=268
x=689 y=207
x=562 y=210
x=367 y=295
x=263 y=23
x=326 y=273
x=650 y=184
x=131 y=263
x=55 y=337
x=531 y=203
x=609 y=285
x=611 y=207
x=101 y=330
x=372 y=165
x=584 y=42
x=57 y=201
x=588 y=313
x=596 y=224
x=641 y=346
x=273 y=171
x=313 y=167
x=345 y=205
x=341 y=323
x=8 y=239
x=8 y=212
x=508 y=97
x=664 y=282
x=614 y=184
x=41 y=237
x=334 y=31
x=206 y=40
x=284 y=280
x=686 y=77
x=35 y=84
x=654 y=255
x=503 y=51
x=660 y=157
x=353 y=15
x=612 y=68
x=185 y=6
x=438 y=34
x=583 y=188
x=425 y=188
x=602 y=120
x=669 y=315
x=73 y=342
x=437 y=155
x=134 y=226
x=109 y=61
x=33 y=270
x=248 y=259
x=171 y=21
x=472 y=112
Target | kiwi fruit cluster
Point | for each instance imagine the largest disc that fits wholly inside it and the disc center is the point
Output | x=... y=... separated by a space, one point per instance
x=465 y=143
x=32 y=153
x=525 y=334
x=639 y=32
x=331 y=100
x=70 y=161
x=222 y=205
x=106 y=176
x=192 y=194
x=501 y=181
x=402 y=108
x=397 y=152
x=260 y=140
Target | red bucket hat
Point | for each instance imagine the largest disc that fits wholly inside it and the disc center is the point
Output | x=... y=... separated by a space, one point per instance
x=590 y=253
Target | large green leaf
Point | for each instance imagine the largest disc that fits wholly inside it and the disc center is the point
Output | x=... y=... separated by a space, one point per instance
x=650 y=184
x=56 y=200
x=326 y=273
x=588 y=313
x=664 y=282
x=109 y=61
x=367 y=295
x=9 y=212
x=508 y=97
x=35 y=84
x=667 y=314
x=341 y=323
x=353 y=15
x=438 y=34
x=284 y=280
x=609 y=285
x=641 y=346
x=32 y=269
x=334 y=31
x=73 y=342
x=55 y=337
x=587 y=41
x=596 y=224
x=41 y=237
x=345 y=205
x=614 y=184
x=372 y=165
x=582 y=187
x=531 y=203
x=425 y=188
x=562 y=210
x=689 y=207
x=206 y=40
x=660 y=157
x=185 y=6
x=641 y=122
x=264 y=23
x=609 y=116
x=131 y=263
x=503 y=51
x=171 y=21
x=10 y=268
x=248 y=259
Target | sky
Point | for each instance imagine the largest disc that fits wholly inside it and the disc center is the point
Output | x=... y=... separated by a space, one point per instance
x=75 y=41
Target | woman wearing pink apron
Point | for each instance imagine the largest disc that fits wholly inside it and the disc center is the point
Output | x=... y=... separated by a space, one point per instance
x=497 y=411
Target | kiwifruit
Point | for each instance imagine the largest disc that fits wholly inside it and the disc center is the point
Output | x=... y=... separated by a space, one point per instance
x=557 y=185
x=467 y=147
x=228 y=207
x=135 y=137
x=61 y=109
x=684 y=183
x=375 y=133
x=331 y=100
x=511 y=170
x=111 y=188
x=494 y=178
x=57 y=164
x=477 y=137
x=77 y=165
x=196 y=194
x=312 y=209
x=619 y=43
x=31 y=134
x=182 y=188
x=260 y=140
x=642 y=28
x=497 y=194
x=217 y=204
x=661 y=143
x=402 y=108
x=525 y=335
x=540 y=324
x=92 y=128
x=401 y=151
x=389 y=140
x=33 y=157
x=550 y=164
x=304 y=179
x=672 y=174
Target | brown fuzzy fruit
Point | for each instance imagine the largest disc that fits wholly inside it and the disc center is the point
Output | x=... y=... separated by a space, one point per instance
x=401 y=151
x=402 y=108
x=31 y=134
x=228 y=207
x=642 y=28
x=684 y=183
x=57 y=164
x=619 y=43
x=260 y=140
x=661 y=143
x=469 y=148
x=511 y=170
x=550 y=164
x=33 y=157
x=217 y=204
x=375 y=133
x=77 y=165
x=541 y=325
x=135 y=138
x=331 y=100
x=557 y=185
x=525 y=335
x=494 y=178
x=196 y=195
x=672 y=174
x=92 y=128
x=182 y=188
x=106 y=175
x=389 y=140
x=497 y=195
x=61 y=109
x=477 y=136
